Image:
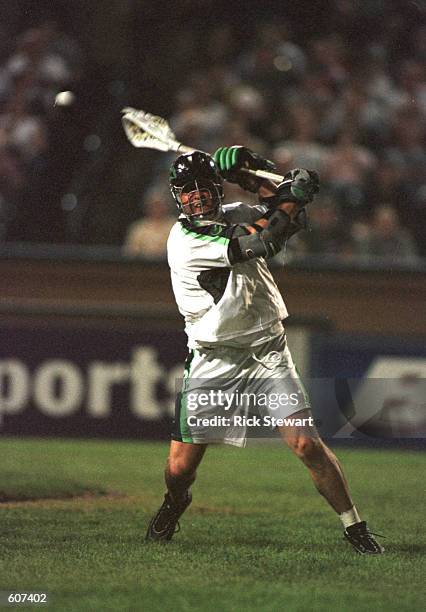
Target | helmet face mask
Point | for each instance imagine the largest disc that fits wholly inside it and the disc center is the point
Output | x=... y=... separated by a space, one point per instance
x=196 y=186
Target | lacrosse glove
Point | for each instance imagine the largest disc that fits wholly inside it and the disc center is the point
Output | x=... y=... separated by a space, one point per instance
x=299 y=186
x=231 y=160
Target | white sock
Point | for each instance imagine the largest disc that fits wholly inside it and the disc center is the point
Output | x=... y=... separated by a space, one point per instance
x=350 y=517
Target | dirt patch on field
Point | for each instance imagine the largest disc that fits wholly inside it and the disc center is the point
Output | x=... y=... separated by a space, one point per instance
x=82 y=494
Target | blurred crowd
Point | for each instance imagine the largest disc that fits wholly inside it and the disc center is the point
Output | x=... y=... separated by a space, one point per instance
x=38 y=64
x=354 y=112
x=347 y=100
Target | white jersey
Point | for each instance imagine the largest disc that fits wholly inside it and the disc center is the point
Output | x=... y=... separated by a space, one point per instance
x=234 y=305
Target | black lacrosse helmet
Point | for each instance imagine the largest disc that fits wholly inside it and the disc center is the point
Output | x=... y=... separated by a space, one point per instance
x=197 y=172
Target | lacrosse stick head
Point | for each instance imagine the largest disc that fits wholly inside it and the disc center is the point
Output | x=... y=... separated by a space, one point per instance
x=148 y=131
x=197 y=187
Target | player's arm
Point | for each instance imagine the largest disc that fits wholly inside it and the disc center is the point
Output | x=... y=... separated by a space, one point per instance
x=266 y=237
x=232 y=161
x=282 y=211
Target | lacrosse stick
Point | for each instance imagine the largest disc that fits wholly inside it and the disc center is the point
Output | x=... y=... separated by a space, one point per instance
x=151 y=132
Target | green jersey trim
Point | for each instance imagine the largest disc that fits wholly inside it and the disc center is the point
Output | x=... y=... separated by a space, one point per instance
x=207 y=237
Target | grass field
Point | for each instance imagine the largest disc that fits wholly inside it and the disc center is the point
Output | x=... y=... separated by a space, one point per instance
x=257 y=536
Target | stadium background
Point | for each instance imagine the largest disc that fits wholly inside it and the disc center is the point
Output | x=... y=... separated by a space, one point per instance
x=84 y=216
x=91 y=342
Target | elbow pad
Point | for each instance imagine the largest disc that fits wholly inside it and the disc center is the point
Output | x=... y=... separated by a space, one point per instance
x=261 y=244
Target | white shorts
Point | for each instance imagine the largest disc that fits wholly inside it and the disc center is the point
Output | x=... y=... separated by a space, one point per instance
x=230 y=394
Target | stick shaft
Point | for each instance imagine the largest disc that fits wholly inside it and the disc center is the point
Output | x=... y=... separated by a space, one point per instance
x=167 y=138
x=266 y=175
x=184 y=149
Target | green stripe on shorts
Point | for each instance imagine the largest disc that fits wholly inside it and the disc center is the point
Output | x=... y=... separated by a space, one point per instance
x=183 y=423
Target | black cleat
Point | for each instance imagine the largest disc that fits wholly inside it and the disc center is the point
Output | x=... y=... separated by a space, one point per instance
x=165 y=523
x=362 y=539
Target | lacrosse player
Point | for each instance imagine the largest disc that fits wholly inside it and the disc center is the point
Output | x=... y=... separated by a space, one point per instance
x=233 y=314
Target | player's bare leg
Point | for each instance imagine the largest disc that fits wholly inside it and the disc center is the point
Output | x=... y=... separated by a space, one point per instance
x=180 y=473
x=330 y=481
x=181 y=467
x=322 y=464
